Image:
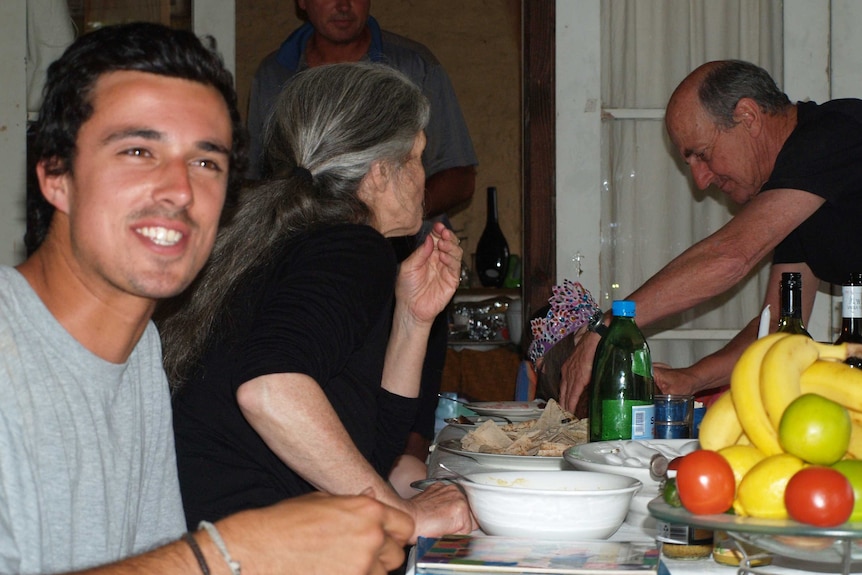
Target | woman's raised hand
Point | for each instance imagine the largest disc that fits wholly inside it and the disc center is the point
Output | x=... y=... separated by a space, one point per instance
x=428 y=278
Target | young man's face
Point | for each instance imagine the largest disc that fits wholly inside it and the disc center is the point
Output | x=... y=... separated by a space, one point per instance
x=142 y=200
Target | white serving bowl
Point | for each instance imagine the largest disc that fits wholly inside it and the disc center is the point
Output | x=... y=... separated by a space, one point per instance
x=550 y=504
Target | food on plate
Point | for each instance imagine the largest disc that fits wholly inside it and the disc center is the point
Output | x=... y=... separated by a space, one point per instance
x=548 y=436
x=670 y=493
x=720 y=426
x=772 y=372
x=705 y=482
x=741 y=459
x=815 y=429
x=852 y=470
x=798 y=404
x=819 y=496
x=761 y=491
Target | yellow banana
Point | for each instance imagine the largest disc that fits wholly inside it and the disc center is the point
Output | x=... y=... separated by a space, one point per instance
x=720 y=426
x=743 y=439
x=834 y=380
x=855 y=447
x=745 y=390
x=782 y=367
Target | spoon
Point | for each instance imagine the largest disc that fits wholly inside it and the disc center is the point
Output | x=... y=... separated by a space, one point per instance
x=456 y=474
x=441 y=396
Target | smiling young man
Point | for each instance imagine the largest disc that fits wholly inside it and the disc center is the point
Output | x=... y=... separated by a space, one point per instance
x=137 y=142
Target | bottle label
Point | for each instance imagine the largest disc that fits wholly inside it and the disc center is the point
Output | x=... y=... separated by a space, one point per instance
x=851 y=303
x=682 y=534
x=627 y=419
x=643 y=421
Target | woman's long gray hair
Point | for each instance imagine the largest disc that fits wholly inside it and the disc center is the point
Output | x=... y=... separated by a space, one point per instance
x=330 y=124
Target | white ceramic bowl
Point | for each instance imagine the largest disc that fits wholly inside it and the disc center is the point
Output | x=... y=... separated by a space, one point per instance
x=550 y=504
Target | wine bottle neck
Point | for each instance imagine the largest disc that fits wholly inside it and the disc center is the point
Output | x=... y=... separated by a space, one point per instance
x=791 y=303
x=492 y=205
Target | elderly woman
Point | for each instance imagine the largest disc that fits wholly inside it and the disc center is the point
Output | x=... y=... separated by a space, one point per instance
x=291 y=371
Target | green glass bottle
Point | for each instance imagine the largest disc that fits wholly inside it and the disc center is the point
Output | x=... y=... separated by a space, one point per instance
x=790 y=320
x=622 y=383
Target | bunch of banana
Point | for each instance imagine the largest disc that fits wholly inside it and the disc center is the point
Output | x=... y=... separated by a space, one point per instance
x=770 y=374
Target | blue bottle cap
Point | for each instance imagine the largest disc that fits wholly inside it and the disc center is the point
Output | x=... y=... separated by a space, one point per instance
x=623 y=308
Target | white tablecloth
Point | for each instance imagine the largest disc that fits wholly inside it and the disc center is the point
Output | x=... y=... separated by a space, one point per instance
x=627 y=532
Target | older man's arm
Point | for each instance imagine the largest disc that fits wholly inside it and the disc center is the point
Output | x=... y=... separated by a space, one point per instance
x=722 y=260
x=705 y=270
x=714 y=370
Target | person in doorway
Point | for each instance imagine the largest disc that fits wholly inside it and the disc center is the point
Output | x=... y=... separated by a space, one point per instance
x=291 y=373
x=795 y=168
x=138 y=142
x=344 y=31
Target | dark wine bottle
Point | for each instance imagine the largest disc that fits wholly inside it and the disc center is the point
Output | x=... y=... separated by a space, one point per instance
x=790 y=320
x=492 y=251
x=851 y=315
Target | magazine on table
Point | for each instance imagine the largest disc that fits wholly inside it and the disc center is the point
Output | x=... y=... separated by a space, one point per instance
x=467 y=553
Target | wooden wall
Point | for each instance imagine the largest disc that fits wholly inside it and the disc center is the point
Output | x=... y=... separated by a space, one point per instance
x=478 y=42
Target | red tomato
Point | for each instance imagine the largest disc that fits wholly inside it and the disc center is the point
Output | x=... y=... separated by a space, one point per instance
x=705 y=482
x=674 y=464
x=819 y=496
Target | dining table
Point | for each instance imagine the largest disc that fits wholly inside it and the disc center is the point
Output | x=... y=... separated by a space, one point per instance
x=636 y=531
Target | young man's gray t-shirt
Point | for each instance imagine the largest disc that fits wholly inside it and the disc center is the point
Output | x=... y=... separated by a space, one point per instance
x=87 y=462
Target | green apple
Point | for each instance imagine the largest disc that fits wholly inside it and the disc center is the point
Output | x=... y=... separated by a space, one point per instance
x=852 y=470
x=815 y=429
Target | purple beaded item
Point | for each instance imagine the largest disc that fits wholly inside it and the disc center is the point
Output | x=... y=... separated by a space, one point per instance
x=571 y=306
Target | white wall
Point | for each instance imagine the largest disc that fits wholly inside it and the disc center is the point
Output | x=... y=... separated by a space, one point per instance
x=578 y=157
x=217 y=18
x=13 y=128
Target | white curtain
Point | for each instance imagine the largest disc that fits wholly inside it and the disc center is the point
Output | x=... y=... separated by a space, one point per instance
x=651 y=210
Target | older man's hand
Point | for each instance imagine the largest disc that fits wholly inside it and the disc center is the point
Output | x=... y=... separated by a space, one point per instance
x=577 y=369
x=675 y=381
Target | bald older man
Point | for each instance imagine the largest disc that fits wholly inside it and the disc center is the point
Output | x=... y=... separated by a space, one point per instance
x=797 y=171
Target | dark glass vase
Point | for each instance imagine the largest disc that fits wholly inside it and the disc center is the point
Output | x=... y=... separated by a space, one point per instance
x=492 y=252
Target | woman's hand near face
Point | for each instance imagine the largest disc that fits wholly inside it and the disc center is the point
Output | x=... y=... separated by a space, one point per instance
x=429 y=277
x=426 y=282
